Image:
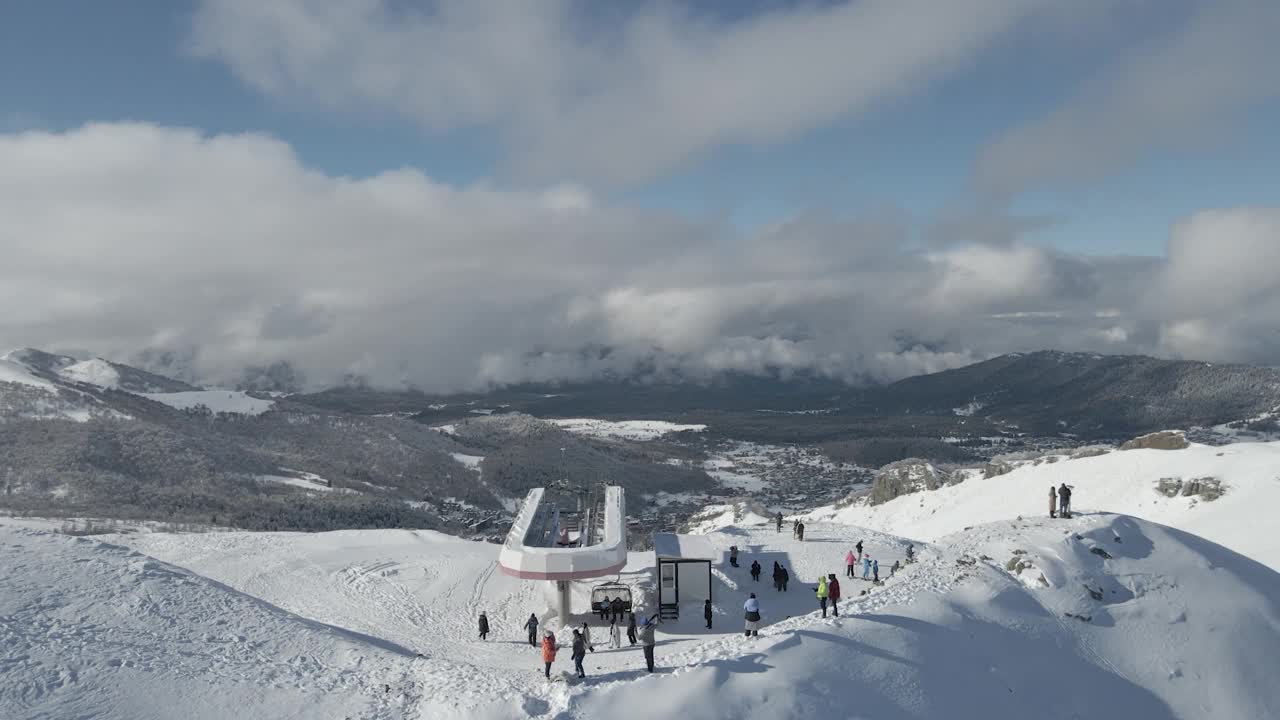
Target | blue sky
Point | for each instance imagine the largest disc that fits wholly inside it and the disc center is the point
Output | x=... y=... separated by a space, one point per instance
x=68 y=63
x=452 y=193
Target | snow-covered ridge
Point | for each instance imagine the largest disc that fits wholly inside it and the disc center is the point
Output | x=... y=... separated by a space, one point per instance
x=218 y=401
x=623 y=429
x=95 y=371
x=1119 y=481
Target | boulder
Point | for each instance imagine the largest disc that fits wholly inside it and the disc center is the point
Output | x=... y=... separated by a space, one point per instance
x=1163 y=440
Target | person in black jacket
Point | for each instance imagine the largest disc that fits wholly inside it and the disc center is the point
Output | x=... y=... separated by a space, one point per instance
x=786 y=577
x=484 y=626
x=1064 y=501
x=618 y=607
x=579 y=653
x=777 y=576
x=532 y=626
x=755 y=570
x=706 y=612
x=631 y=629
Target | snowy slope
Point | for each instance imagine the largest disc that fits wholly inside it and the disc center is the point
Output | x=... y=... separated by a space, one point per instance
x=1121 y=482
x=114 y=634
x=15 y=372
x=623 y=429
x=218 y=401
x=96 y=371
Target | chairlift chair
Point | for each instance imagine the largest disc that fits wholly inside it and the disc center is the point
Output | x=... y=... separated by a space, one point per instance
x=602 y=596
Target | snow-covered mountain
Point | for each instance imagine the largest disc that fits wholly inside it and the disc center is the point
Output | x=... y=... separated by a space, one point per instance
x=1007 y=613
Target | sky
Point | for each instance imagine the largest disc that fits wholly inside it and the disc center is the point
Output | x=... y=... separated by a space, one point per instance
x=448 y=194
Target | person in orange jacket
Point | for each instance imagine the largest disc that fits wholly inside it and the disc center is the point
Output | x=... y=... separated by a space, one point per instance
x=548 y=651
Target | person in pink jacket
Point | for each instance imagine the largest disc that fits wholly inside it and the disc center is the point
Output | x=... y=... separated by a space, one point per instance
x=850 y=562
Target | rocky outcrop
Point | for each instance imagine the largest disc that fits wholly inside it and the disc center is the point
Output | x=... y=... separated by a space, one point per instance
x=1205 y=488
x=905 y=477
x=1164 y=440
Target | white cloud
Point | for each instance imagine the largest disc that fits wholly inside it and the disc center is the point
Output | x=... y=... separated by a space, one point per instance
x=621 y=97
x=227 y=252
x=1182 y=88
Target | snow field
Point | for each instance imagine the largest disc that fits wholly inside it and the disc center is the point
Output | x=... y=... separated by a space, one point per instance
x=623 y=429
x=218 y=401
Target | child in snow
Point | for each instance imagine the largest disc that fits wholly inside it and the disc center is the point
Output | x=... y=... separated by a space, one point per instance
x=866 y=566
x=822 y=594
x=875 y=570
x=751 y=611
x=484 y=626
x=849 y=561
x=615 y=636
x=579 y=652
x=532 y=626
x=586 y=637
x=548 y=651
x=833 y=594
x=631 y=629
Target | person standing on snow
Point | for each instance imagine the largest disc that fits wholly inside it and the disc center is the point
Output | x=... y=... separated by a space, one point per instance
x=822 y=594
x=646 y=638
x=548 y=651
x=849 y=561
x=777 y=576
x=706 y=612
x=615 y=636
x=733 y=555
x=631 y=629
x=532 y=626
x=779 y=522
x=858 y=547
x=800 y=532
x=795 y=529
x=786 y=577
x=833 y=594
x=755 y=570
x=751 y=611
x=579 y=652
x=586 y=637
x=866 y=566
x=911 y=553
x=875 y=570
x=1064 y=501
x=484 y=626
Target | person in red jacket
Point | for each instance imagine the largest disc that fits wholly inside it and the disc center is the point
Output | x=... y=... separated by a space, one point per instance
x=549 y=651
x=833 y=593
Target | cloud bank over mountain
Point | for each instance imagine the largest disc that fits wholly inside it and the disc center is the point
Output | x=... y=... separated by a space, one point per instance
x=228 y=251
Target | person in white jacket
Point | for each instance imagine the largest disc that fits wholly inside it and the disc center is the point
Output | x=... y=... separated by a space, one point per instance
x=586 y=637
x=615 y=636
x=751 y=610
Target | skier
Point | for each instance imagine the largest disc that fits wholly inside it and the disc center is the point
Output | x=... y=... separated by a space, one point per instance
x=875 y=570
x=858 y=547
x=786 y=577
x=1064 y=501
x=751 y=611
x=755 y=570
x=579 y=652
x=548 y=651
x=849 y=561
x=779 y=522
x=646 y=637
x=586 y=637
x=615 y=636
x=777 y=576
x=833 y=594
x=706 y=612
x=733 y=555
x=800 y=532
x=822 y=594
x=532 y=626
x=484 y=626
x=866 y=566
x=1053 y=502
x=631 y=629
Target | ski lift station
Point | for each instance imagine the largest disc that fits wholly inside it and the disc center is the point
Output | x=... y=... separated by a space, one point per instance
x=562 y=536
x=684 y=571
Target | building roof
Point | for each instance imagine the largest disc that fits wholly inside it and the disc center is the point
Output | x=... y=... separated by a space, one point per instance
x=683 y=547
